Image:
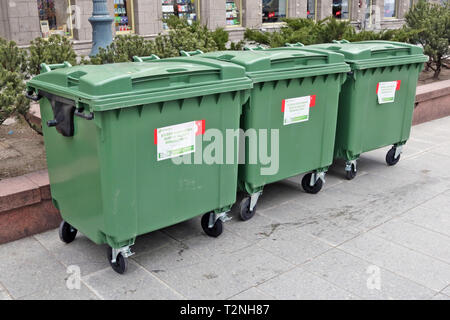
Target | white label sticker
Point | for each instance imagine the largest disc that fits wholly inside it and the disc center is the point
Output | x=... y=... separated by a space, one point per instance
x=297 y=109
x=386 y=91
x=176 y=140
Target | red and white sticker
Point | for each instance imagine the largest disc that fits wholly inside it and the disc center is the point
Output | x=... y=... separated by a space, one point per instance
x=297 y=109
x=177 y=140
x=386 y=91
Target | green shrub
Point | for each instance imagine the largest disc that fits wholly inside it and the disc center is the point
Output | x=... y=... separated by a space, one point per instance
x=12 y=80
x=12 y=58
x=331 y=29
x=190 y=37
x=55 y=49
x=237 y=45
x=308 y=31
x=123 y=48
x=221 y=37
x=181 y=36
x=432 y=25
x=302 y=30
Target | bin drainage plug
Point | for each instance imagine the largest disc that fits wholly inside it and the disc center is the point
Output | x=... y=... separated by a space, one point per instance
x=125 y=251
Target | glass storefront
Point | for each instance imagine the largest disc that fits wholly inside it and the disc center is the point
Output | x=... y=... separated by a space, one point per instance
x=311 y=9
x=233 y=12
x=341 y=9
x=390 y=8
x=55 y=17
x=273 y=10
x=186 y=9
x=123 y=16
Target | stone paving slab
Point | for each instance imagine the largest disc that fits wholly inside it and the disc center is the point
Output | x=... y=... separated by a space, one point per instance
x=301 y=284
x=408 y=263
x=350 y=272
x=4 y=294
x=441 y=296
x=383 y=235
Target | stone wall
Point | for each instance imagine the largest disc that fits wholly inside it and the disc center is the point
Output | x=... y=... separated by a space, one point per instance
x=23 y=20
x=19 y=19
x=4 y=25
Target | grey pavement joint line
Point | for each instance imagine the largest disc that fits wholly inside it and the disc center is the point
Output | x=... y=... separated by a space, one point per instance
x=390 y=219
x=2 y=286
x=332 y=283
x=256 y=288
x=158 y=279
x=387 y=269
x=425 y=228
x=382 y=268
x=409 y=248
x=65 y=266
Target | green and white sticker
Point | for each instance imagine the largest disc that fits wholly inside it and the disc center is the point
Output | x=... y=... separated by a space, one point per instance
x=297 y=109
x=386 y=91
x=176 y=140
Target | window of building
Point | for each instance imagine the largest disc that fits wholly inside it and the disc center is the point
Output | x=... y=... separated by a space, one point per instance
x=124 y=16
x=55 y=17
x=311 y=9
x=187 y=9
x=390 y=8
x=233 y=12
x=274 y=10
x=341 y=9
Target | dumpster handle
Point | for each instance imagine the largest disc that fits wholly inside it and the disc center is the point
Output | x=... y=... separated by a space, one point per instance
x=341 y=41
x=298 y=44
x=49 y=67
x=80 y=113
x=32 y=96
x=143 y=59
x=190 y=53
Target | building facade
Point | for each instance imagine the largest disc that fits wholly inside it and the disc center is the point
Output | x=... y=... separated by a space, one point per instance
x=24 y=20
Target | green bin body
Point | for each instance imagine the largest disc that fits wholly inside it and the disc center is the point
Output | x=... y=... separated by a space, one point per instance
x=108 y=178
x=366 y=123
x=280 y=76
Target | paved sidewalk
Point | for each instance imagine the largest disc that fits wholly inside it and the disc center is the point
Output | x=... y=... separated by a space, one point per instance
x=384 y=235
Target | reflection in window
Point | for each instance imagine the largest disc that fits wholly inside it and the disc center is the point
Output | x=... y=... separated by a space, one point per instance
x=311 y=9
x=368 y=12
x=233 y=12
x=273 y=10
x=390 y=8
x=55 y=17
x=123 y=16
x=186 y=9
x=341 y=9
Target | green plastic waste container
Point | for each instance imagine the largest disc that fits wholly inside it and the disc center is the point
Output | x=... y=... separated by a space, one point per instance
x=377 y=101
x=113 y=134
x=294 y=101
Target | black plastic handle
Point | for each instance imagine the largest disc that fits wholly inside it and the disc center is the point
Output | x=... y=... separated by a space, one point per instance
x=81 y=114
x=30 y=95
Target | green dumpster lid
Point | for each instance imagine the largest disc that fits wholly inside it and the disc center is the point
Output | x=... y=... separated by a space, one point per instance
x=375 y=53
x=110 y=86
x=283 y=63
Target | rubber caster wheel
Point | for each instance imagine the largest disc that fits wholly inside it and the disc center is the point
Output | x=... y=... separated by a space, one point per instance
x=390 y=160
x=216 y=230
x=307 y=187
x=351 y=174
x=244 y=209
x=67 y=233
x=121 y=264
